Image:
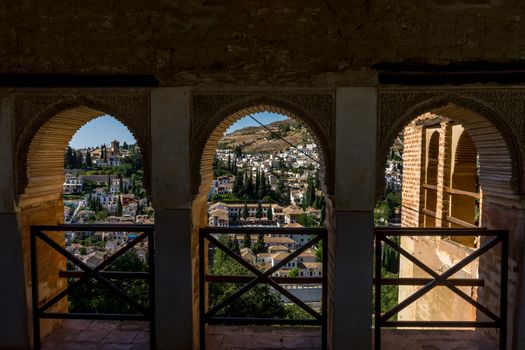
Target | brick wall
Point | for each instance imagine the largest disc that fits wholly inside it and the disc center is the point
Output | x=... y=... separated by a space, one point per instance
x=410 y=192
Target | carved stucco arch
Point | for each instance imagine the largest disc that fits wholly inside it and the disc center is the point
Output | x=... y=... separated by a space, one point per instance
x=51 y=122
x=479 y=119
x=207 y=132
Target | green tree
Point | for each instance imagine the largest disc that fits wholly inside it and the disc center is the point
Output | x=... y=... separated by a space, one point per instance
x=257 y=184
x=310 y=192
x=293 y=272
x=269 y=213
x=94 y=297
x=69 y=158
x=262 y=189
x=78 y=160
x=247 y=241
x=259 y=212
x=393 y=202
x=89 y=162
x=259 y=246
x=381 y=214
x=248 y=186
x=119 y=207
x=120 y=184
x=261 y=301
x=307 y=220
x=245 y=211
x=238 y=184
x=319 y=252
x=238 y=151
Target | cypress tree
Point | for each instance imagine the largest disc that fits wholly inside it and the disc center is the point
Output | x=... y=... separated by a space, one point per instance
x=310 y=192
x=247 y=242
x=257 y=184
x=249 y=186
x=262 y=189
x=269 y=213
x=89 y=162
x=245 y=211
x=259 y=212
x=78 y=160
x=69 y=158
x=120 y=184
x=119 y=207
x=238 y=184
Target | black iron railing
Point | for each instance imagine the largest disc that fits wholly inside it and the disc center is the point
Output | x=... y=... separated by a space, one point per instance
x=493 y=238
x=208 y=240
x=86 y=273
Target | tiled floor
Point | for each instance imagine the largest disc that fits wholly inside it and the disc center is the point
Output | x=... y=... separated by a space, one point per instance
x=84 y=334
x=81 y=334
x=399 y=339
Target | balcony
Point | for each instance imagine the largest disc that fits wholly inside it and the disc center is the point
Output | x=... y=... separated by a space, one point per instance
x=226 y=332
x=84 y=334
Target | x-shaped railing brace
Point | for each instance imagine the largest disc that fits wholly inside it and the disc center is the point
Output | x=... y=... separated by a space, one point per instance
x=263 y=277
x=440 y=279
x=89 y=272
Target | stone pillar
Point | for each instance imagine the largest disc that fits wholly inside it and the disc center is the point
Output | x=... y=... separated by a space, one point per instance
x=356 y=118
x=14 y=316
x=443 y=179
x=413 y=174
x=170 y=155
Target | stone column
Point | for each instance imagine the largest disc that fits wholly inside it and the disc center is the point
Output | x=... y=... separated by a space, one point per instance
x=14 y=316
x=170 y=139
x=443 y=179
x=356 y=118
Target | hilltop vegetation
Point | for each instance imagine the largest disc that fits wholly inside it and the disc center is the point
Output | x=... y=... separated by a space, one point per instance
x=256 y=139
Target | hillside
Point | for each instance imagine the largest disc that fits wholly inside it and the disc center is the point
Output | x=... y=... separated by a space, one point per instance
x=256 y=139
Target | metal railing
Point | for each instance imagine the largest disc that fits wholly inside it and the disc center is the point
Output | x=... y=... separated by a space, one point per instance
x=382 y=236
x=86 y=273
x=209 y=316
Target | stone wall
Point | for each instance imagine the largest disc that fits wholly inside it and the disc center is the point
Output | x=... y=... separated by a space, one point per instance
x=506 y=216
x=413 y=158
x=196 y=42
x=440 y=304
x=50 y=262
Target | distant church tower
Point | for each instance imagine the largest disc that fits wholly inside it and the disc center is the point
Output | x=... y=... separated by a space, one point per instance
x=115 y=147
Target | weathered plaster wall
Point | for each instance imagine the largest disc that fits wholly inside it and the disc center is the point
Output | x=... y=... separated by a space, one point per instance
x=440 y=304
x=253 y=42
x=511 y=217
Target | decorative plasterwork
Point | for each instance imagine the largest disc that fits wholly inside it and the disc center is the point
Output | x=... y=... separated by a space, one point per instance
x=32 y=110
x=504 y=108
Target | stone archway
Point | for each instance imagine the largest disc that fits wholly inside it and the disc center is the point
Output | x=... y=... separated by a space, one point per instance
x=44 y=125
x=213 y=113
x=492 y=120
x=64 y=114
x=499 y=152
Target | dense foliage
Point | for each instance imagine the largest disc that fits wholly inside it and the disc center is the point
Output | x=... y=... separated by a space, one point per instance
x=93 y=296
x=261 y=301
